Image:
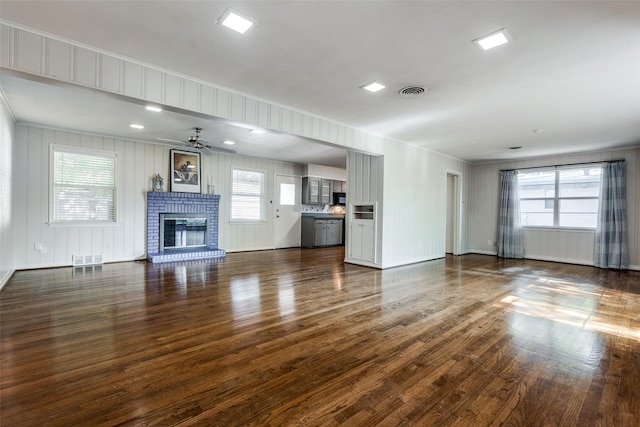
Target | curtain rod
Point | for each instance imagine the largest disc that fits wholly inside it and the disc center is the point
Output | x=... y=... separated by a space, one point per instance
x=565 y=164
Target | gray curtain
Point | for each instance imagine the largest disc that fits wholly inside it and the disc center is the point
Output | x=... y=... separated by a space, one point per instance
x=612 y=249
x=509 y=231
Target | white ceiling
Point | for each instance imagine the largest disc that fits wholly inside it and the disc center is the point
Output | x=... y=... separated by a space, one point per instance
x=572 y=71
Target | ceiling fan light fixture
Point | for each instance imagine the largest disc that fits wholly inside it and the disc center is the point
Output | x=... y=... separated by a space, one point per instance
x=236 y=21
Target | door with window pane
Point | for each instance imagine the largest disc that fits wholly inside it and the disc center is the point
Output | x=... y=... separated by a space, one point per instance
x=287 y=212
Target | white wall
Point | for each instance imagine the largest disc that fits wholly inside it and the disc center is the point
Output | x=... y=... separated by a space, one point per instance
x=326 y=172
x=7 y=130
x=415 y=204
x=138 y=163
x=572 y=246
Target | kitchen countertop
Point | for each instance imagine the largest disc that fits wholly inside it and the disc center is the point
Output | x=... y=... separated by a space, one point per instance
x=323 y=215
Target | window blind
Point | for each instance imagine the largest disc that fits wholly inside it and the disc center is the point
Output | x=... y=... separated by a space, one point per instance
x=247 y=195
x=84 y=186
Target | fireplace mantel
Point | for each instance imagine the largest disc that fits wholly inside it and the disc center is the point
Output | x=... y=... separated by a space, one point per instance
x=167 y=202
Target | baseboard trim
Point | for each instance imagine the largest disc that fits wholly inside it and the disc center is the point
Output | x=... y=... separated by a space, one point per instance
x=5 y=279
x=550 y=259
x=362 y=263
x=562 y=260
x=480 y=252
x=61 y=265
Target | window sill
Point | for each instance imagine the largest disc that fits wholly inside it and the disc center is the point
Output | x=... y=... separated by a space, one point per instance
x=557 y=229
x=83 y=224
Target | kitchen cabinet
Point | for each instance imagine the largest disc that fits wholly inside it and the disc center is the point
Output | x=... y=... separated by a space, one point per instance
x=321 y=232
x=339 y=186
x=326 y=192
x=316 y=191
x=327 y=232
x=310 y=190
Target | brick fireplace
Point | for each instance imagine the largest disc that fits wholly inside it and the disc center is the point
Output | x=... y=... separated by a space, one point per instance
x=182 y=203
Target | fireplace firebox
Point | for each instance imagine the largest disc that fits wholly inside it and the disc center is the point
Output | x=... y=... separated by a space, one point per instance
x=183 y=231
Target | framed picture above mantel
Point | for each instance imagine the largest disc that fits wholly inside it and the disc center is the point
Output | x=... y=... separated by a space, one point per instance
x=185 y=171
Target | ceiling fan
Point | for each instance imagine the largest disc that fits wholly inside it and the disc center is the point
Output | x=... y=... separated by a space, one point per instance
x=199 y=143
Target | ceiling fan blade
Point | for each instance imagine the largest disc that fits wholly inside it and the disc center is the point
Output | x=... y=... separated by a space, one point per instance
x=204 y=149
x=219 y=149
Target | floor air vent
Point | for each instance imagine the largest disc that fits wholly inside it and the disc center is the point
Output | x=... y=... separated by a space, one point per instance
x=82 y=260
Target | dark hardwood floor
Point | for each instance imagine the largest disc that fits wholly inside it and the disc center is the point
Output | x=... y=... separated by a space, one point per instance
x=296 y=337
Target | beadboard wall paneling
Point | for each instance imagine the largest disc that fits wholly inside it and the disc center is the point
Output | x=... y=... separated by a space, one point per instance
x=7 y=235
x=415 y=204
x=137 y=164
x=570 y=246
x=32 y=52
x=553 y=245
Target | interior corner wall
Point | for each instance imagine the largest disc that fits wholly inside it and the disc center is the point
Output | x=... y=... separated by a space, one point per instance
x=138 y=162
x=415 y=204
x=570 y=246
x=7 y=131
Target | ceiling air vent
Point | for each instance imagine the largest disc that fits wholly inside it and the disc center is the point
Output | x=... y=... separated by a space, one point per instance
x=412 y=91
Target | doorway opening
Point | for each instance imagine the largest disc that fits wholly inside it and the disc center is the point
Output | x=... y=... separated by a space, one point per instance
x=452 y=228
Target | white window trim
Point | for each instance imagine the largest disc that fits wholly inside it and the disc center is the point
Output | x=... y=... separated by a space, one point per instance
x=81 y=150
x=263 y=209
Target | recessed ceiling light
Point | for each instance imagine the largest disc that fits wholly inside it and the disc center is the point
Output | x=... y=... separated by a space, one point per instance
x=257 y=131
x=494 y=39
x=228 y=142
x=136 y=126
x=373 y=86
x=236 y=21
x=153 y=108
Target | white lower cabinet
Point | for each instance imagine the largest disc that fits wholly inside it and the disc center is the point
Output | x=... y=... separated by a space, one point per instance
x=362 y=240
x=362 y=233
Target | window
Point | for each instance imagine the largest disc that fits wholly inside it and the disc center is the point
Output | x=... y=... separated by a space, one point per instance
x=287 y=194
x=559 y=198
x=83 y=185
x=247 y=195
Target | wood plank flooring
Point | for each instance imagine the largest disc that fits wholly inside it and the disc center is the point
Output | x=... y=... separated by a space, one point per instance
x=295 y=337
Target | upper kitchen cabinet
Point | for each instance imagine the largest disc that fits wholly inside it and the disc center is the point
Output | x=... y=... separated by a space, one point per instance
x=316 y=191
x=339 y=186
x=326 y=192
x=310 y=191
